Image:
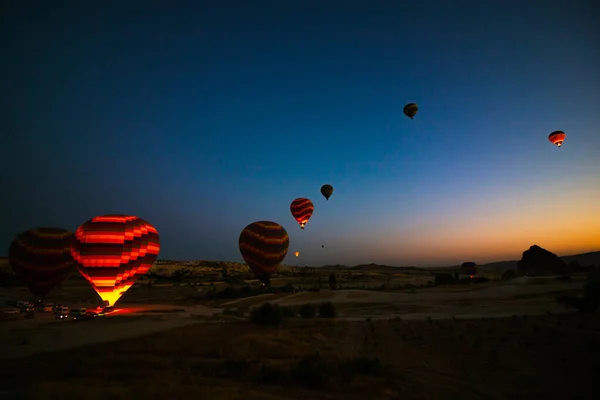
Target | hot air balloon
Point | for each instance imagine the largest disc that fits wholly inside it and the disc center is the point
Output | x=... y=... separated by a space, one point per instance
x=112 y=251
x=297 y=253
x=469 y=268
x=264 y=244
x=327 y=191
x=302 y=210
x=557 y=138
x=410 y=110
x=41 y=258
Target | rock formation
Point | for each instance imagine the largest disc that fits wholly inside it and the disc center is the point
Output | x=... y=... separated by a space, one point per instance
x=539 y=261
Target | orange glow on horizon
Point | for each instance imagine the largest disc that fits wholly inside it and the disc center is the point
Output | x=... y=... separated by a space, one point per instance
x=563 y=218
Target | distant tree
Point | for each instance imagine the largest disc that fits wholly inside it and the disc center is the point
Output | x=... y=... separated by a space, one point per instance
x=308 y=311
x=327 y=310
x=267 y=314
x=332 y=282
x=509 y=274
x=319 y=280
x=443 y=279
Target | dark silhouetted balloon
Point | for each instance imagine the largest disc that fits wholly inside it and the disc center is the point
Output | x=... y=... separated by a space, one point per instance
x=469 y=268
x=327 y=191
x=41 y=258
x=264 y=244
x=112 y=251
x=557 y=138
x=410 y=110
x=302 y=210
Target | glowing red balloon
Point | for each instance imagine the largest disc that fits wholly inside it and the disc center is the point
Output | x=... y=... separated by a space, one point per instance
x=302 y=209
x=112 y=251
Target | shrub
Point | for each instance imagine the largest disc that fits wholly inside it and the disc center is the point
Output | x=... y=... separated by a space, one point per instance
x=267 y=314
x=272 y=375
x=444 y=279
x=592 y=288
x=289 y=312
x=233 y=368
x=361 y=366
x=509 y=274
x=311 y=372
x=308 y=311
x=332 y=281
x=327 y=310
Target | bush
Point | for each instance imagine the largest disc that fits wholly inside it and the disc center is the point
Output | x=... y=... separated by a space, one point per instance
x=289 y=312
x=327 y=310
x=233 y=368
x=271 y=375
x=311 y=372
x=332 y=281
x=592 y=288
x=509 y=274
x=267 y=314
x=361 y=366
x=444 y=279
x=308 y=311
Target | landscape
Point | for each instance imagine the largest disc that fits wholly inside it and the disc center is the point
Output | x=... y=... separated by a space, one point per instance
x=276 y=200
x=190 y=329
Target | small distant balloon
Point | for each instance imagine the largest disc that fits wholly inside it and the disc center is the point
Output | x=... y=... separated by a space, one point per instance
x=327 y=191
x=302 y=210
x=41 y=258
x=410 y=110
x=469 y=268
x=264 y=245
x=297 y=253
x=557 y=138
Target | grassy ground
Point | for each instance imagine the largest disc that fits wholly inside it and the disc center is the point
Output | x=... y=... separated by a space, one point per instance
x=549 y=357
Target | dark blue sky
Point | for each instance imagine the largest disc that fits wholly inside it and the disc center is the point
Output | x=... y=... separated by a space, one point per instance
x=202 y=117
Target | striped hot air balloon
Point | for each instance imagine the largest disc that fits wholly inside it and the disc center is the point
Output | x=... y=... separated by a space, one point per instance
x=264 y=244
x=557 y=138
x=41 y=258
x=112 y=251
x=302 y=210
x=469 y=268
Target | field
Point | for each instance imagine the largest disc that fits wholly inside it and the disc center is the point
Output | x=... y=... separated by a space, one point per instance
x=396 y=336
x=550 y=357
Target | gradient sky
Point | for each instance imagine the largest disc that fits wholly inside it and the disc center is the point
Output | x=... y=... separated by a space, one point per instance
x=204 y=116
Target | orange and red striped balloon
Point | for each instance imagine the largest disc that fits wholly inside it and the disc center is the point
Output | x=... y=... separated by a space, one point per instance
x=557 y=138
x=41 y=258
x=302 y=209
x=112 y=251
x=264 y=244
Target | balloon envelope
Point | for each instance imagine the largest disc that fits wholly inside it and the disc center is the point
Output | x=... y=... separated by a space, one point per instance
x=557 y=138
x=41 y=258
x=302 y=210
x=410 y=110
x=327 y=191
x=112 y=251
x=264 y=244
x=469 y=268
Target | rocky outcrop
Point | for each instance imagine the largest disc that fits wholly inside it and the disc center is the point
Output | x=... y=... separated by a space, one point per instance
x=539 y=261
